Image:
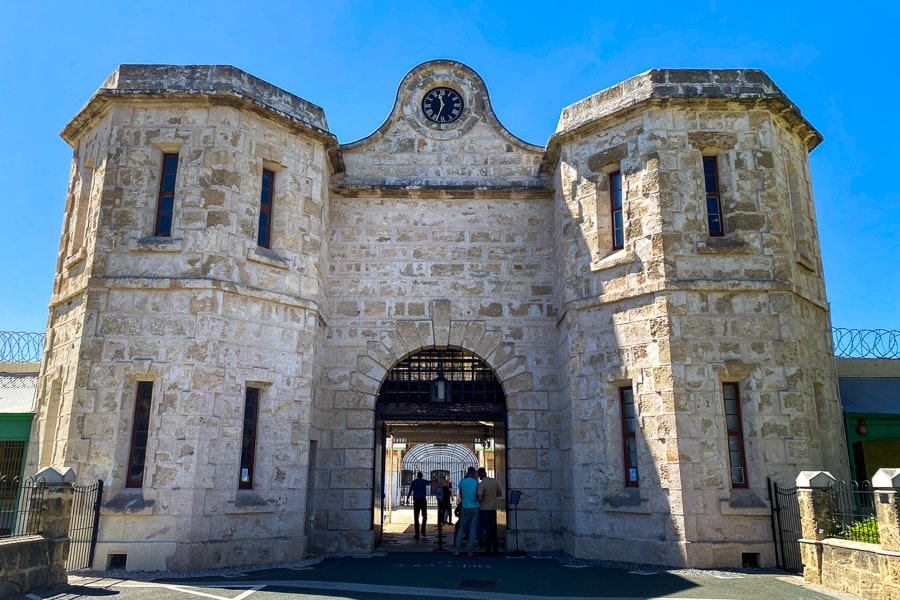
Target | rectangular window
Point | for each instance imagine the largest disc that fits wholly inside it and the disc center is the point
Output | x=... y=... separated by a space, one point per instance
x=615 y=199
x=713 y=199
x=736 y=458
x=629 y=440
x=137 y=456
x=265 y=209
x=248 y=439
x=166 y=203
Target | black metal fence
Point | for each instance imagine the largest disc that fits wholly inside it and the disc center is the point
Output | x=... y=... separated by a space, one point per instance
x=786 y=526
x=83 y=525
x=21 y=506
x=852 y=508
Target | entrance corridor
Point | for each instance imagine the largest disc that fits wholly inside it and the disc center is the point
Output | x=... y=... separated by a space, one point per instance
x=400 y=535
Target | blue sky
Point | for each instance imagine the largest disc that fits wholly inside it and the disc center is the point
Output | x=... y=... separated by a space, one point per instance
x=839 y=66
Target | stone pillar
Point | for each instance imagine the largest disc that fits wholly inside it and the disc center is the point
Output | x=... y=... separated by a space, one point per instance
x=815 y=512
x=57 y=512
x=886 y=483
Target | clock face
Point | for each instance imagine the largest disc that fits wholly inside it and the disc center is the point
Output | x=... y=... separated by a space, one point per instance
x=442 y=105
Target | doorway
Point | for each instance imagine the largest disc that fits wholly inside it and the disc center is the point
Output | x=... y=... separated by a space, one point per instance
x=438 y=411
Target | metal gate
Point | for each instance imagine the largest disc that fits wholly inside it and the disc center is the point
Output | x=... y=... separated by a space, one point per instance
x=83 y=525
x=438 y=461
x=786 y=526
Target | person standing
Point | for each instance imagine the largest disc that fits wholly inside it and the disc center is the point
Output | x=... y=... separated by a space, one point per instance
x=489 y=495
x=419 y=491
x=466 y=491
x=445 y=502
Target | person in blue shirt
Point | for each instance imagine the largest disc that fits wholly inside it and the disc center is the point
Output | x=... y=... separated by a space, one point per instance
x=467 y=498
x=419 y=491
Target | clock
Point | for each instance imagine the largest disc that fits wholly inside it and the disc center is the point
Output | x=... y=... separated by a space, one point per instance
x=442 y=105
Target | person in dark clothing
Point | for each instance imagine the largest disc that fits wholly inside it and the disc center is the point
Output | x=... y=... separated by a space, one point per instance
x=445 y=502
x=418 y=489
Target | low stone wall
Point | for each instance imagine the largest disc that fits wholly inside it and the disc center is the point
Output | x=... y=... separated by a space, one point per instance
x=859 y=568
x=870 y=571
x=38 y=562
x=32 y=563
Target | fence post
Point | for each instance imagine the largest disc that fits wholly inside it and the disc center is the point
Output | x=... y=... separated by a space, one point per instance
x=885 y=484
x=57 y=512
x=815 y=513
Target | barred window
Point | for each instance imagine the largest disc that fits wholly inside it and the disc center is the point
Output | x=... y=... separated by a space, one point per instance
x=248 y=439
x=629 y=438
x=165 y=205
x=264 y=237
x=615 y=200
x=713 y=197
x=137 y=455
x=736 y=455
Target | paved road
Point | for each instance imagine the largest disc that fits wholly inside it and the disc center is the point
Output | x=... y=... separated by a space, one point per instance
x=393 y=576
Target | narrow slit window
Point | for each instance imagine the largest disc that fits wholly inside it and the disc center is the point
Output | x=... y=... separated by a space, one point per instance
x=736 y=455
x=615 y=200
x=166 y=203
x=629 y=438
x=265 y=209
x=137 y=455
x=248 y=439
x=713 y=197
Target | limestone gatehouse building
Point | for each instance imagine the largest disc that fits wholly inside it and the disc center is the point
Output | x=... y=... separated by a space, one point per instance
x=251 y=320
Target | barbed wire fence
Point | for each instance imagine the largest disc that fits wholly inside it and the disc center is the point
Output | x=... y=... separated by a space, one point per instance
x=866 y=343
x=21 y=346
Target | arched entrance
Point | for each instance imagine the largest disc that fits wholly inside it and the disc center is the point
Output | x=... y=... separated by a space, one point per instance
x=439 y=410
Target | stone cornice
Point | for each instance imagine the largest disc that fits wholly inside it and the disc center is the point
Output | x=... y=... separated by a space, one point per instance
x=220 y=85
x=709 y=89
x=442 y=192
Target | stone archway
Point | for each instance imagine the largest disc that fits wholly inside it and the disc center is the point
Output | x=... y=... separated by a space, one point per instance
x=348 y=465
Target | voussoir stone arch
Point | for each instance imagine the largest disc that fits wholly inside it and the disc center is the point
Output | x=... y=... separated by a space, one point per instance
x=441 y=331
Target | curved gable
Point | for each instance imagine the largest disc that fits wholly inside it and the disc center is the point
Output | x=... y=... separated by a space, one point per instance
x=411 y=151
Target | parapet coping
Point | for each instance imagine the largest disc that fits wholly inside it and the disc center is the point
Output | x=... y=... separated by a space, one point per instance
x=718 y=89
x=224 y=83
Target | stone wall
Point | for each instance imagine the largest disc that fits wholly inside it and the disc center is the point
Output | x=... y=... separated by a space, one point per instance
x=863 y=569
x=202 y=314
x=30 y=564
x=413 y=273
x=676 y=313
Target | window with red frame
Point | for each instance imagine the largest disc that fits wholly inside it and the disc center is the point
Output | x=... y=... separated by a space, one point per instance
x=615 y=200
x=248 y=439
x=137 y=454
x=165 y=205
x=713 y=198
x=264 y=238
x=629 y=439
x=736 y=456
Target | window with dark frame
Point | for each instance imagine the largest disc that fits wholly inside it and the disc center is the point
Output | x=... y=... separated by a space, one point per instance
x=615 y=201
x=264 y=238
x=137 y=455
x=713 y=198
x=629 y=439
x=736 y=456
x=248 y=439
x=165 y=206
